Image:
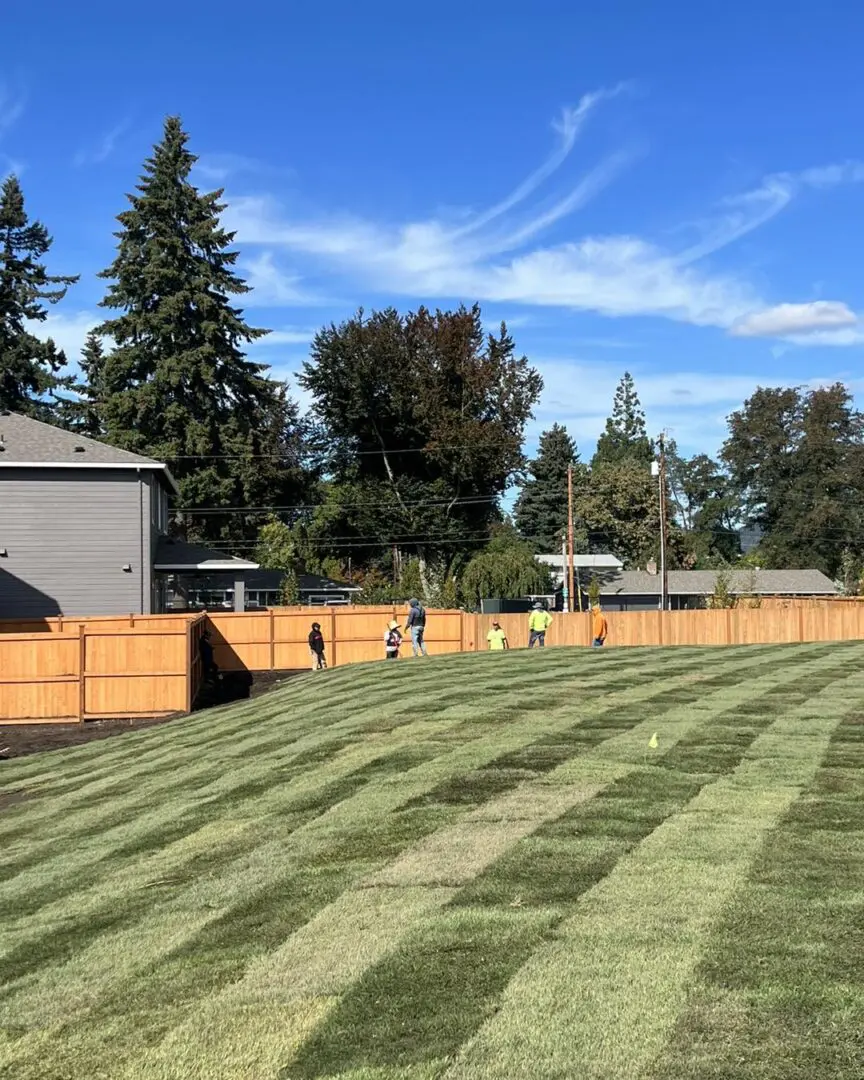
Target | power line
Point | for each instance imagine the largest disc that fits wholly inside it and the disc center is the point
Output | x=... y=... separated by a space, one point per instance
x=230 y=545
x=279 y=455
x=468 y=500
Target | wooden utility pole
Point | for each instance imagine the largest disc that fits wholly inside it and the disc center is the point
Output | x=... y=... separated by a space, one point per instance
x=570 y=537
x=664 y=576
x=565 y=577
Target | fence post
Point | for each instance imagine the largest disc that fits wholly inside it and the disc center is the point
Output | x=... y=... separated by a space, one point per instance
x=660 y=616
x=272 y=641
x=728 y=626
x=800 y=625
x=190 y=663
x=82 y=663
x=333 y=627
x=132 y=618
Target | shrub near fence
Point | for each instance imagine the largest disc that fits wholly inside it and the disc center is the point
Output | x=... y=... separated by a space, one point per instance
x=150 y=666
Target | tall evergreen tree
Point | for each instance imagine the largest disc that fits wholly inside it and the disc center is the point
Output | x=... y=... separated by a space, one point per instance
x=82 y=412
x=625 y=437
x=177 y=384
x=540 y=512
x=30 y=369
x=796 y=462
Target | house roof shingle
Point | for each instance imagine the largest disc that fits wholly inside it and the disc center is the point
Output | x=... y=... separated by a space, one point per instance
x=27 y=441
x=175 y=554
x=702 y=583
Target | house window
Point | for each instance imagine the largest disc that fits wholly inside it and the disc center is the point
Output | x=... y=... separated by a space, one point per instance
x=159 y=507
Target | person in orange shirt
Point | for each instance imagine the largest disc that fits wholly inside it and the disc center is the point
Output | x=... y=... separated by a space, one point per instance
x=599 y=627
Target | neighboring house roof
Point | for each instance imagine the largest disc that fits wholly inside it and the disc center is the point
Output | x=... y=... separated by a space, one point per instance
x=588 y=562
x=179 y=556
x=702 y=583
x=28 y=443
x=271 y=580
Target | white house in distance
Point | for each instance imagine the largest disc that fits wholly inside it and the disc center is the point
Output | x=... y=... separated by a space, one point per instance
x=584 y=567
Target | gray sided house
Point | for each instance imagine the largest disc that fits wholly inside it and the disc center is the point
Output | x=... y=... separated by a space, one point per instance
x=639 y=590
x=83 y=527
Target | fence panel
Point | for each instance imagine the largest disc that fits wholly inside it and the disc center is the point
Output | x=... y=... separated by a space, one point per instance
x=39 y=677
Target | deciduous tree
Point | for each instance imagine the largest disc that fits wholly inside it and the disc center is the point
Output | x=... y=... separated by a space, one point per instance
x=423 y=416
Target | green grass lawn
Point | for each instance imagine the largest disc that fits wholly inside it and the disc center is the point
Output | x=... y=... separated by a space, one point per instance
x=465 y=868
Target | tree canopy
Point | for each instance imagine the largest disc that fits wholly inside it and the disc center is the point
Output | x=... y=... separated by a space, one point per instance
x=796 y=463
x=540 y=513
x=31 y=370
x=423 y=419
x=625 y=437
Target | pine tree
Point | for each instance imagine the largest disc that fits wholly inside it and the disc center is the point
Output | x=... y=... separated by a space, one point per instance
x=82 y=412
x=177 y=385
x=29 y=368
x=540 y=512
x=625 y=437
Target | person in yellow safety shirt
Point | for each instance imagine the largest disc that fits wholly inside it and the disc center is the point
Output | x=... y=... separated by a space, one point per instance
x=497 y=638
x=538 y=623
x=599 y=627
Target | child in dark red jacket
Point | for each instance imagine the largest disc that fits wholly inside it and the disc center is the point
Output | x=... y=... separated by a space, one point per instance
x=316 y=647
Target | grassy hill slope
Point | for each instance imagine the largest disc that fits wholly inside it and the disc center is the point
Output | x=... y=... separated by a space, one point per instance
x=465 y=868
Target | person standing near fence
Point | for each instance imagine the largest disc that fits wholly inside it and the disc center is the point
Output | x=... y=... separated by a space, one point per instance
x=316 y=647
x=497 y=638
x=539 y=622
x=415 y=624
x=392 y=641
x=599 y=627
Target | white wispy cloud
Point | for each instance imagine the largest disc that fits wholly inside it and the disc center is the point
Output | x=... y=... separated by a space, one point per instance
x=12 y=105
x=289 y=335
x=217 y=168
x=104 y=148
x=796 y=320
x=273 y=285
x=497 y=254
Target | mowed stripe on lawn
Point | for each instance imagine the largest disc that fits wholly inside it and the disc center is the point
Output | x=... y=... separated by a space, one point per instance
x=525 y=894
x=779 y=993
x=167 y=965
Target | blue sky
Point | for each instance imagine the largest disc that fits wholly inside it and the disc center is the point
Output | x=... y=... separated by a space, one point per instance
x=669 y=188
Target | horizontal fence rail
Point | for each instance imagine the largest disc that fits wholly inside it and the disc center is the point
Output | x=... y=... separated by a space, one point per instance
x=71 y=670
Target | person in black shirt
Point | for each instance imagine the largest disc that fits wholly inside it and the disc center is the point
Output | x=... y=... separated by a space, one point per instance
x=316 y=647
x=205 y=651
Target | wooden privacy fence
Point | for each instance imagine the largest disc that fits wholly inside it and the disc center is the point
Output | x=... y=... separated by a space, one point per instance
x=277 y=640
x=81 y=669
x=736 y=626
x=98 y=668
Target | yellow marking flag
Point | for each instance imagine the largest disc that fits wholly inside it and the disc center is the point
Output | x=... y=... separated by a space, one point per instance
x=653 y=742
